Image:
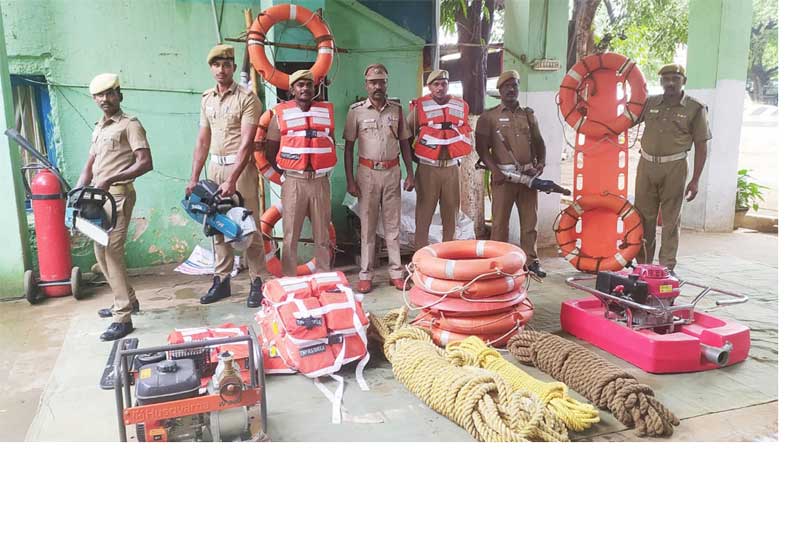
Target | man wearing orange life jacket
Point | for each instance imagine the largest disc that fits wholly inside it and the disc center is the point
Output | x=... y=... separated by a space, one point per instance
x=377 y=124
x=439 y=124
x=300 y=144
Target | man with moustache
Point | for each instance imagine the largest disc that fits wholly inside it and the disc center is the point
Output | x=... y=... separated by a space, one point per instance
x=119 y=154
x=227 y=126
x=300 y=145
x=674 y=121
x=506 y=134
x=377 y=124
x=439 y=124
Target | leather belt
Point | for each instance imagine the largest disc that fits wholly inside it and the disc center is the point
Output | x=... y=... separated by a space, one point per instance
x=512 y=167
x=378 y=165
x=439 y=163
x=304 y=174
x=222 y=160
x=663 y=159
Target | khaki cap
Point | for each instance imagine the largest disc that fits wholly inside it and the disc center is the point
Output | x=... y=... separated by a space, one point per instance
x=103 y=82
x=301 y=74
x=437 y=74
x=673 y=68
x=376 y=71
x=507 y=75
x=220 y=51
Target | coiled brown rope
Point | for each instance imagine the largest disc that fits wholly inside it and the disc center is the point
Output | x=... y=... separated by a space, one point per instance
x=607 y=386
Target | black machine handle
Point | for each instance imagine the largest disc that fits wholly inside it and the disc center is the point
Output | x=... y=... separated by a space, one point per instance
x=90 y=193
x=16 y=137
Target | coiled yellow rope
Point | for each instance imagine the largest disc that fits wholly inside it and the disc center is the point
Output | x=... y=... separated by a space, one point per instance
x=474 y=352
x=479 y=400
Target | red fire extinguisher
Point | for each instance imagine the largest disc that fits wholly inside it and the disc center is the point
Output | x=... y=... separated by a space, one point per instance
x=47 y=192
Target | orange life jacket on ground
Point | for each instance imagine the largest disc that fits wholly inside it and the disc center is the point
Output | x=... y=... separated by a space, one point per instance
x=306 y=137
x=441 y=125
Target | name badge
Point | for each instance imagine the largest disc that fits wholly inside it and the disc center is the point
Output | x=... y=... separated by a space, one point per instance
x=504 y=120
x=653 y=110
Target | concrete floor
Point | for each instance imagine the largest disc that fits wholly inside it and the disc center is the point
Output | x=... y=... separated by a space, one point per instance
x=53 y=360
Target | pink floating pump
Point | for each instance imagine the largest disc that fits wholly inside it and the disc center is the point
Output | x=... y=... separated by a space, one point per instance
x=634 y=316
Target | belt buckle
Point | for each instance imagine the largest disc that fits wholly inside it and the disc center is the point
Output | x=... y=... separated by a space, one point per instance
x=378 y=166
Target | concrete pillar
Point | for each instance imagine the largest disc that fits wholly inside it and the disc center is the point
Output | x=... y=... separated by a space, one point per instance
x=719 y=40
x=15 y=257
x=536 y=29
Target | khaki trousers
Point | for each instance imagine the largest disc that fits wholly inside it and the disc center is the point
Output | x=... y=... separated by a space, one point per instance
x=302 y=197
x=660 y=186
x=111 y=258
x=434 y=185
x=505 y=195
x=380 y=196
x=248 y=186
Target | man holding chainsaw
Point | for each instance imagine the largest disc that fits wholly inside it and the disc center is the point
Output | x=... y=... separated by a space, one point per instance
x=227 y=126
x=509 y=143
x=439 y=124
x=119 y=154
x=300 y=145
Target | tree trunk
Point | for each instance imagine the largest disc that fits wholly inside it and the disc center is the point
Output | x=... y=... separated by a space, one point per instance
x=473 y=29
x=472 y=190
x=580 y=30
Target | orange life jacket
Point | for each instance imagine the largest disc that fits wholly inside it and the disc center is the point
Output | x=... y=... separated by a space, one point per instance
x=306 y=142
x=441 y=125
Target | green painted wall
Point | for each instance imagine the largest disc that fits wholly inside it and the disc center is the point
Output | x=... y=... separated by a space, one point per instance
x=535 y=29
x=718 y=49
x=159 y=49
x=15 y=257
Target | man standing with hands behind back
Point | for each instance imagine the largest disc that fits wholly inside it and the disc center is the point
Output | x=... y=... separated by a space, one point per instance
x=378 y=125
x=229 y=117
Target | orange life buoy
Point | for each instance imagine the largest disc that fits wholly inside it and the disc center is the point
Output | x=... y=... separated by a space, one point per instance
x=257 y=34
x=260 y=159
x=603 y=257
x=466 y=260
x=489 y=305
x=595 y=113
x=476 y=290
x=272 y=262
x=488 y=324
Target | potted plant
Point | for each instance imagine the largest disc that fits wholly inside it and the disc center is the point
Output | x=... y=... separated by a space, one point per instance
x=748 y=195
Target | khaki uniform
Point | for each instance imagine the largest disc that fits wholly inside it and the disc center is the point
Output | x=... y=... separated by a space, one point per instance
x=224 y=115
x=113 y=144
x=670 y=129
x=520 y=129
x=434 y=185
x=304 y=194
x=378 y=133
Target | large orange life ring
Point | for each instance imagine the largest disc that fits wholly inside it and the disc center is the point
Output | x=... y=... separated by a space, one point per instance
x=476 y=290
x=489 y=305
x=466 y=260
x=260 y=159
x=606 y=258
x=488 y=324
x=257 y=34
x=272 y=262
x=595 y=114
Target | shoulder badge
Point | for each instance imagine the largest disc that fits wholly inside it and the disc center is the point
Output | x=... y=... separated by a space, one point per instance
x=357 y=104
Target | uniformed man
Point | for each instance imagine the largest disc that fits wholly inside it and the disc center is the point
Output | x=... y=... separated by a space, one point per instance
x=227 y=126
x=119 y=154
x=377 y=124
x=300 y=144
x=439 y=124
x=508 y=139
x=673 y=122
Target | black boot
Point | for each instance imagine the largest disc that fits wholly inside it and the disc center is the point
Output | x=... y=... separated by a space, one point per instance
x=107 y=313
x=535 y=269
x=255 y=295
x=218 y=290
x=117 y=330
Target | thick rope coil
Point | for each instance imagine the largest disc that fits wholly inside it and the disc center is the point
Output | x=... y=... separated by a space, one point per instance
x=608 y=386
x=474 y=352
x=480 y=401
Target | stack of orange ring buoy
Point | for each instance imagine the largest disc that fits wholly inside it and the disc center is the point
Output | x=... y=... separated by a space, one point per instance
x=470 y=288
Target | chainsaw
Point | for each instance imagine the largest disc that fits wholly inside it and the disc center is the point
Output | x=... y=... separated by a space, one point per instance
x=220 y=215
x=84 y=205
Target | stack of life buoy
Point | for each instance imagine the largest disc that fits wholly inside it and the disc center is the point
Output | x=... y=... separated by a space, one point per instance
x=314 y=325
x=470 y=288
